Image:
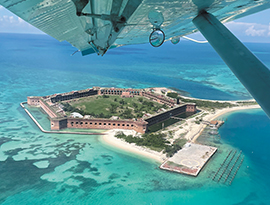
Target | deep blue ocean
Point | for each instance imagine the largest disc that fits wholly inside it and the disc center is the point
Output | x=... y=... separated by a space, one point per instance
x=38 y=168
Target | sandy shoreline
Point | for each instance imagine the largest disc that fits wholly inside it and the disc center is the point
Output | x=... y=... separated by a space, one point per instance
x=217 y=114
x=189 y=126
x=109 y=139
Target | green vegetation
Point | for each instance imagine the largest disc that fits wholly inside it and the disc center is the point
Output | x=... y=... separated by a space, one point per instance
x=156 y=142
x=208 y=104
x=181 y=92
x=106 y=106
x=68 y=108
x=202 y=103
x=180 y=141
x=172 y=95
x=247 y=103
x=172 y=149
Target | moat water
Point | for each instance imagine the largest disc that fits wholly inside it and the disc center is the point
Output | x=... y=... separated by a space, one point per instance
x=38 y=168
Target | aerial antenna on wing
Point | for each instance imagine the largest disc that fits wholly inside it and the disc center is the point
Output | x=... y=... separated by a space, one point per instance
x=74 y=52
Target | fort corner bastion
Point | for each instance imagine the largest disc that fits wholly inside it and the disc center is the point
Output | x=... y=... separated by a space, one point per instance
x=52 y=106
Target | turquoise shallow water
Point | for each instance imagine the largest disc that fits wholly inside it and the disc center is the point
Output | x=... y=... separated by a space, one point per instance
x=38 y=168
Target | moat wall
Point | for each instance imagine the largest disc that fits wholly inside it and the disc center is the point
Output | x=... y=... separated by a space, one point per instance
x=38 y=101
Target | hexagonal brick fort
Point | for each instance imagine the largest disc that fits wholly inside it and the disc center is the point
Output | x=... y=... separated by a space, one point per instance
x=52 y=107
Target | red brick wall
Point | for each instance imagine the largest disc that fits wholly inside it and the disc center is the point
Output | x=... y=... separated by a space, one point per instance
x=158 y=99
x=105 y=124
x=36 y=101
x=47 y=109
x=58 y=124
x=33 y=101
x=191 y=108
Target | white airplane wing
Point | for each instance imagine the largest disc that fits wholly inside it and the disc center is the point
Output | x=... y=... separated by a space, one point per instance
x=97 y=25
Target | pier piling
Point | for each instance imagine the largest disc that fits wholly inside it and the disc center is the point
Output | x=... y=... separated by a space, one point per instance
x=232 y=167
x=221 y=165
x=229 y=168
x=237 y=170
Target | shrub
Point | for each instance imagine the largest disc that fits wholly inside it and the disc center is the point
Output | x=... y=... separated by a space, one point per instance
x=172 y=95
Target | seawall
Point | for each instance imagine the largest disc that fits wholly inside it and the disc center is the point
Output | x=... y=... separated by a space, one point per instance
x=55 y=132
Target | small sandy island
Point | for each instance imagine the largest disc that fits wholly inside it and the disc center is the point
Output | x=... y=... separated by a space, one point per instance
x=190 y=130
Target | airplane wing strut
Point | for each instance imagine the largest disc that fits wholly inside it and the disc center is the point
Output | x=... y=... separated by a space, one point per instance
x=251 y=72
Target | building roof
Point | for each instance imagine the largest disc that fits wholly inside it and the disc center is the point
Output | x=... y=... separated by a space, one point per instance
x=76 y=115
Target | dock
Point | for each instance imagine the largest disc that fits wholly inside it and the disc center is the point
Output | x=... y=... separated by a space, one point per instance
x=214 y=123
x=190 y=159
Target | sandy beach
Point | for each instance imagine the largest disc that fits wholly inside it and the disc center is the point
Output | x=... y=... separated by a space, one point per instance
x=109 y=139
x=195 y=133
x=192 y=129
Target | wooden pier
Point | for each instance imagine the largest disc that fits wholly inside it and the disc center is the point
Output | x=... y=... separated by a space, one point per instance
x=229 y=168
